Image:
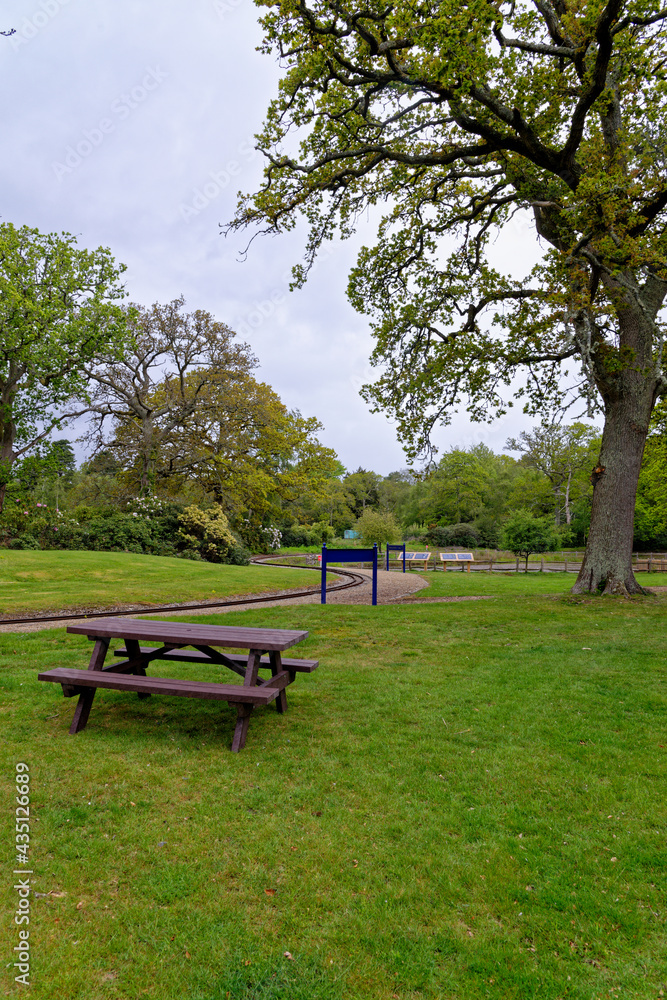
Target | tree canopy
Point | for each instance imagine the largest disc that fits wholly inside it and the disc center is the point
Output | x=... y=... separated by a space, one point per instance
x=453 y=117
x=58 y=308
x=159 y=386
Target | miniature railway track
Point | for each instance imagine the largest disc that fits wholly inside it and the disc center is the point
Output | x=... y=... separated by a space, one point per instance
x=353 y=580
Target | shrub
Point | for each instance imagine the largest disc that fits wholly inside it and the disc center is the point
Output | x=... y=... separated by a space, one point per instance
x=296 y=535
x=377 y=526
x=208 y=532
x=453 y=534
x=524 y=534
x=24 y=541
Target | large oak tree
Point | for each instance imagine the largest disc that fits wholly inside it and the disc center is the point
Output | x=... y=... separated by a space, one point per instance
x=454 y=115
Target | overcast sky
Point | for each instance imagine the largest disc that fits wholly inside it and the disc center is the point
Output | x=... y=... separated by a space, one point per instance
x=130 y=123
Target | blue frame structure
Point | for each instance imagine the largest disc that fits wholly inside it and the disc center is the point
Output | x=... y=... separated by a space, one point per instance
x=349 y=555
x=396 y=548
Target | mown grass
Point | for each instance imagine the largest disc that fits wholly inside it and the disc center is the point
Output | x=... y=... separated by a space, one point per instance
x=464 y=801
x=58 y=580
x=456 y=583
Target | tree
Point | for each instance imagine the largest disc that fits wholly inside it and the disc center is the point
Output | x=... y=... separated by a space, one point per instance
x=58 y=309
x=377 y=526
x=152 y=391
x=457 y=116
x=651 y=514
x=561 y=454
x=524 y=534
x=363 y=488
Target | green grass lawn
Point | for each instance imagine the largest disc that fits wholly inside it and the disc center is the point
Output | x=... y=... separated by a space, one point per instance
x=57 y=580
x=465 y=801
x=455 y=583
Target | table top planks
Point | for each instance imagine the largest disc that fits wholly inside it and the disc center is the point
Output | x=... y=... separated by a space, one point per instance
x=188 y=634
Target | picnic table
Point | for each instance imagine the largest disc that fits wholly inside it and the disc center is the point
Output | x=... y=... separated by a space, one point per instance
x=265 y=647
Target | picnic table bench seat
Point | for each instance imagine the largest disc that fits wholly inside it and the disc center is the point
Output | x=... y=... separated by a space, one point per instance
x=196 y=656
x=265 y=647
x=74 y=681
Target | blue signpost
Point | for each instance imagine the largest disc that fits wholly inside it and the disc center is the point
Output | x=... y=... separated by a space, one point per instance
x=349 y=555
x=396 y=548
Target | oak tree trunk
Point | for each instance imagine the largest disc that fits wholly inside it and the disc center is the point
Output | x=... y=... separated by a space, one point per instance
x=629 y=396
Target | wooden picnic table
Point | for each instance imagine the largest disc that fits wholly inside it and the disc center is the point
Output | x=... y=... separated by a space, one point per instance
x=265 y=647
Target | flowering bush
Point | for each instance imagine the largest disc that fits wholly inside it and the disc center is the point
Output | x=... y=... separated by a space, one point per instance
x=208 y=532
x=258 y=537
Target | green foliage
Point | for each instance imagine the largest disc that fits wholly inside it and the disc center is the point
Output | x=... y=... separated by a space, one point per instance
x=651 y=508
x=565 y=456
x=524 y=534
x=23 y=541
x=455 y=121
x=377 y=526
x=453 y=534
x=558 y=113
x=208 y=532
x=58 y=309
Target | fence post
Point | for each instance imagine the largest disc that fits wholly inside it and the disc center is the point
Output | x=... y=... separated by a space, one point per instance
x=323 y=587
x=375 y=575
x=566 y=565
x=517 y=564
x=650 y=562
x=490 y=565
x=542 y=565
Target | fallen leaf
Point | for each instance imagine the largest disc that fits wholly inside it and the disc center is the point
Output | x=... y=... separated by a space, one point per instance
x=614 y=859
x=289 y=955
x=187 y=954
x=247 y=961
x=79 y=905
x=133 y=803
x=270 y=892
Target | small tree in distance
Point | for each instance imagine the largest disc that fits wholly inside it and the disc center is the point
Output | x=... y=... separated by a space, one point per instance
x=524 y=534
x=377 y=526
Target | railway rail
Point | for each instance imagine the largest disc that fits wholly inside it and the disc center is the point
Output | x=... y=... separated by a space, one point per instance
x=353 y=580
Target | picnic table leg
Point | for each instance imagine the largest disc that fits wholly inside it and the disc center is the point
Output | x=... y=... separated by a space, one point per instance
x=85 y=701
x=134 y=653
x=243 y=713
x=276 y=667
x=243 y=710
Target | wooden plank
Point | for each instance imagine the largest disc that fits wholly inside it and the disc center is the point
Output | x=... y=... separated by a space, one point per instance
x=276 y=672
x=85 y=702
x=232 y=693
x=278 y=681
x=138 y=665
x=185 y=634
x=243 y=713
x=192 y=656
